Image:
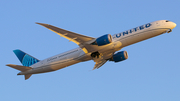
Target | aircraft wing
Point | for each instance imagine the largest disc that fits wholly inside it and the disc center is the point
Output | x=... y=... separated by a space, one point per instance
x=102 y=60
x=99 y=64
x=71 y=36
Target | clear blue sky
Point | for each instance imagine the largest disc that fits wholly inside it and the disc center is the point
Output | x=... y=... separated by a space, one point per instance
x=151 y=73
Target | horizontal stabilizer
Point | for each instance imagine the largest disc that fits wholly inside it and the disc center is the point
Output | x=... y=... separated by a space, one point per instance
x=22 y=69
x=18 y=67
x=27 y=76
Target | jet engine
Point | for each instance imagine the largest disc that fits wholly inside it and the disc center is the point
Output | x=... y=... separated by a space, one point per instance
x=103 y=40
x=120 y=56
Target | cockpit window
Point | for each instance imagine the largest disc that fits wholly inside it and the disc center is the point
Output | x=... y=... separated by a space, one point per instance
x=167 y=21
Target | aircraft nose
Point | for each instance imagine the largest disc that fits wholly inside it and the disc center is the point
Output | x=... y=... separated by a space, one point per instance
x=173 y=25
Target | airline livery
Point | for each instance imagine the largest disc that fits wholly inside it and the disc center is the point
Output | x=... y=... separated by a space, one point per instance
x=101 y=49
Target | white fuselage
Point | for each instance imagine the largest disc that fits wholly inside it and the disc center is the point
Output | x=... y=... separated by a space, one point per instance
x=122 y=39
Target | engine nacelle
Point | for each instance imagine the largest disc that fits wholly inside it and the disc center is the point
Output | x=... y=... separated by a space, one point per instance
x=120 y=56
x=103 y=40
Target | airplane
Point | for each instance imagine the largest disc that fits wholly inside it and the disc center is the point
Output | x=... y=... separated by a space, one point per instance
x=100 y=50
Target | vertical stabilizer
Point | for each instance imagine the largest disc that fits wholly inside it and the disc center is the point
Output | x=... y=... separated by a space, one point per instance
x=25 y=58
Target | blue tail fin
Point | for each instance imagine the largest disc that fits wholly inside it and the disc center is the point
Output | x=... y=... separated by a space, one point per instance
x=25 y=58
